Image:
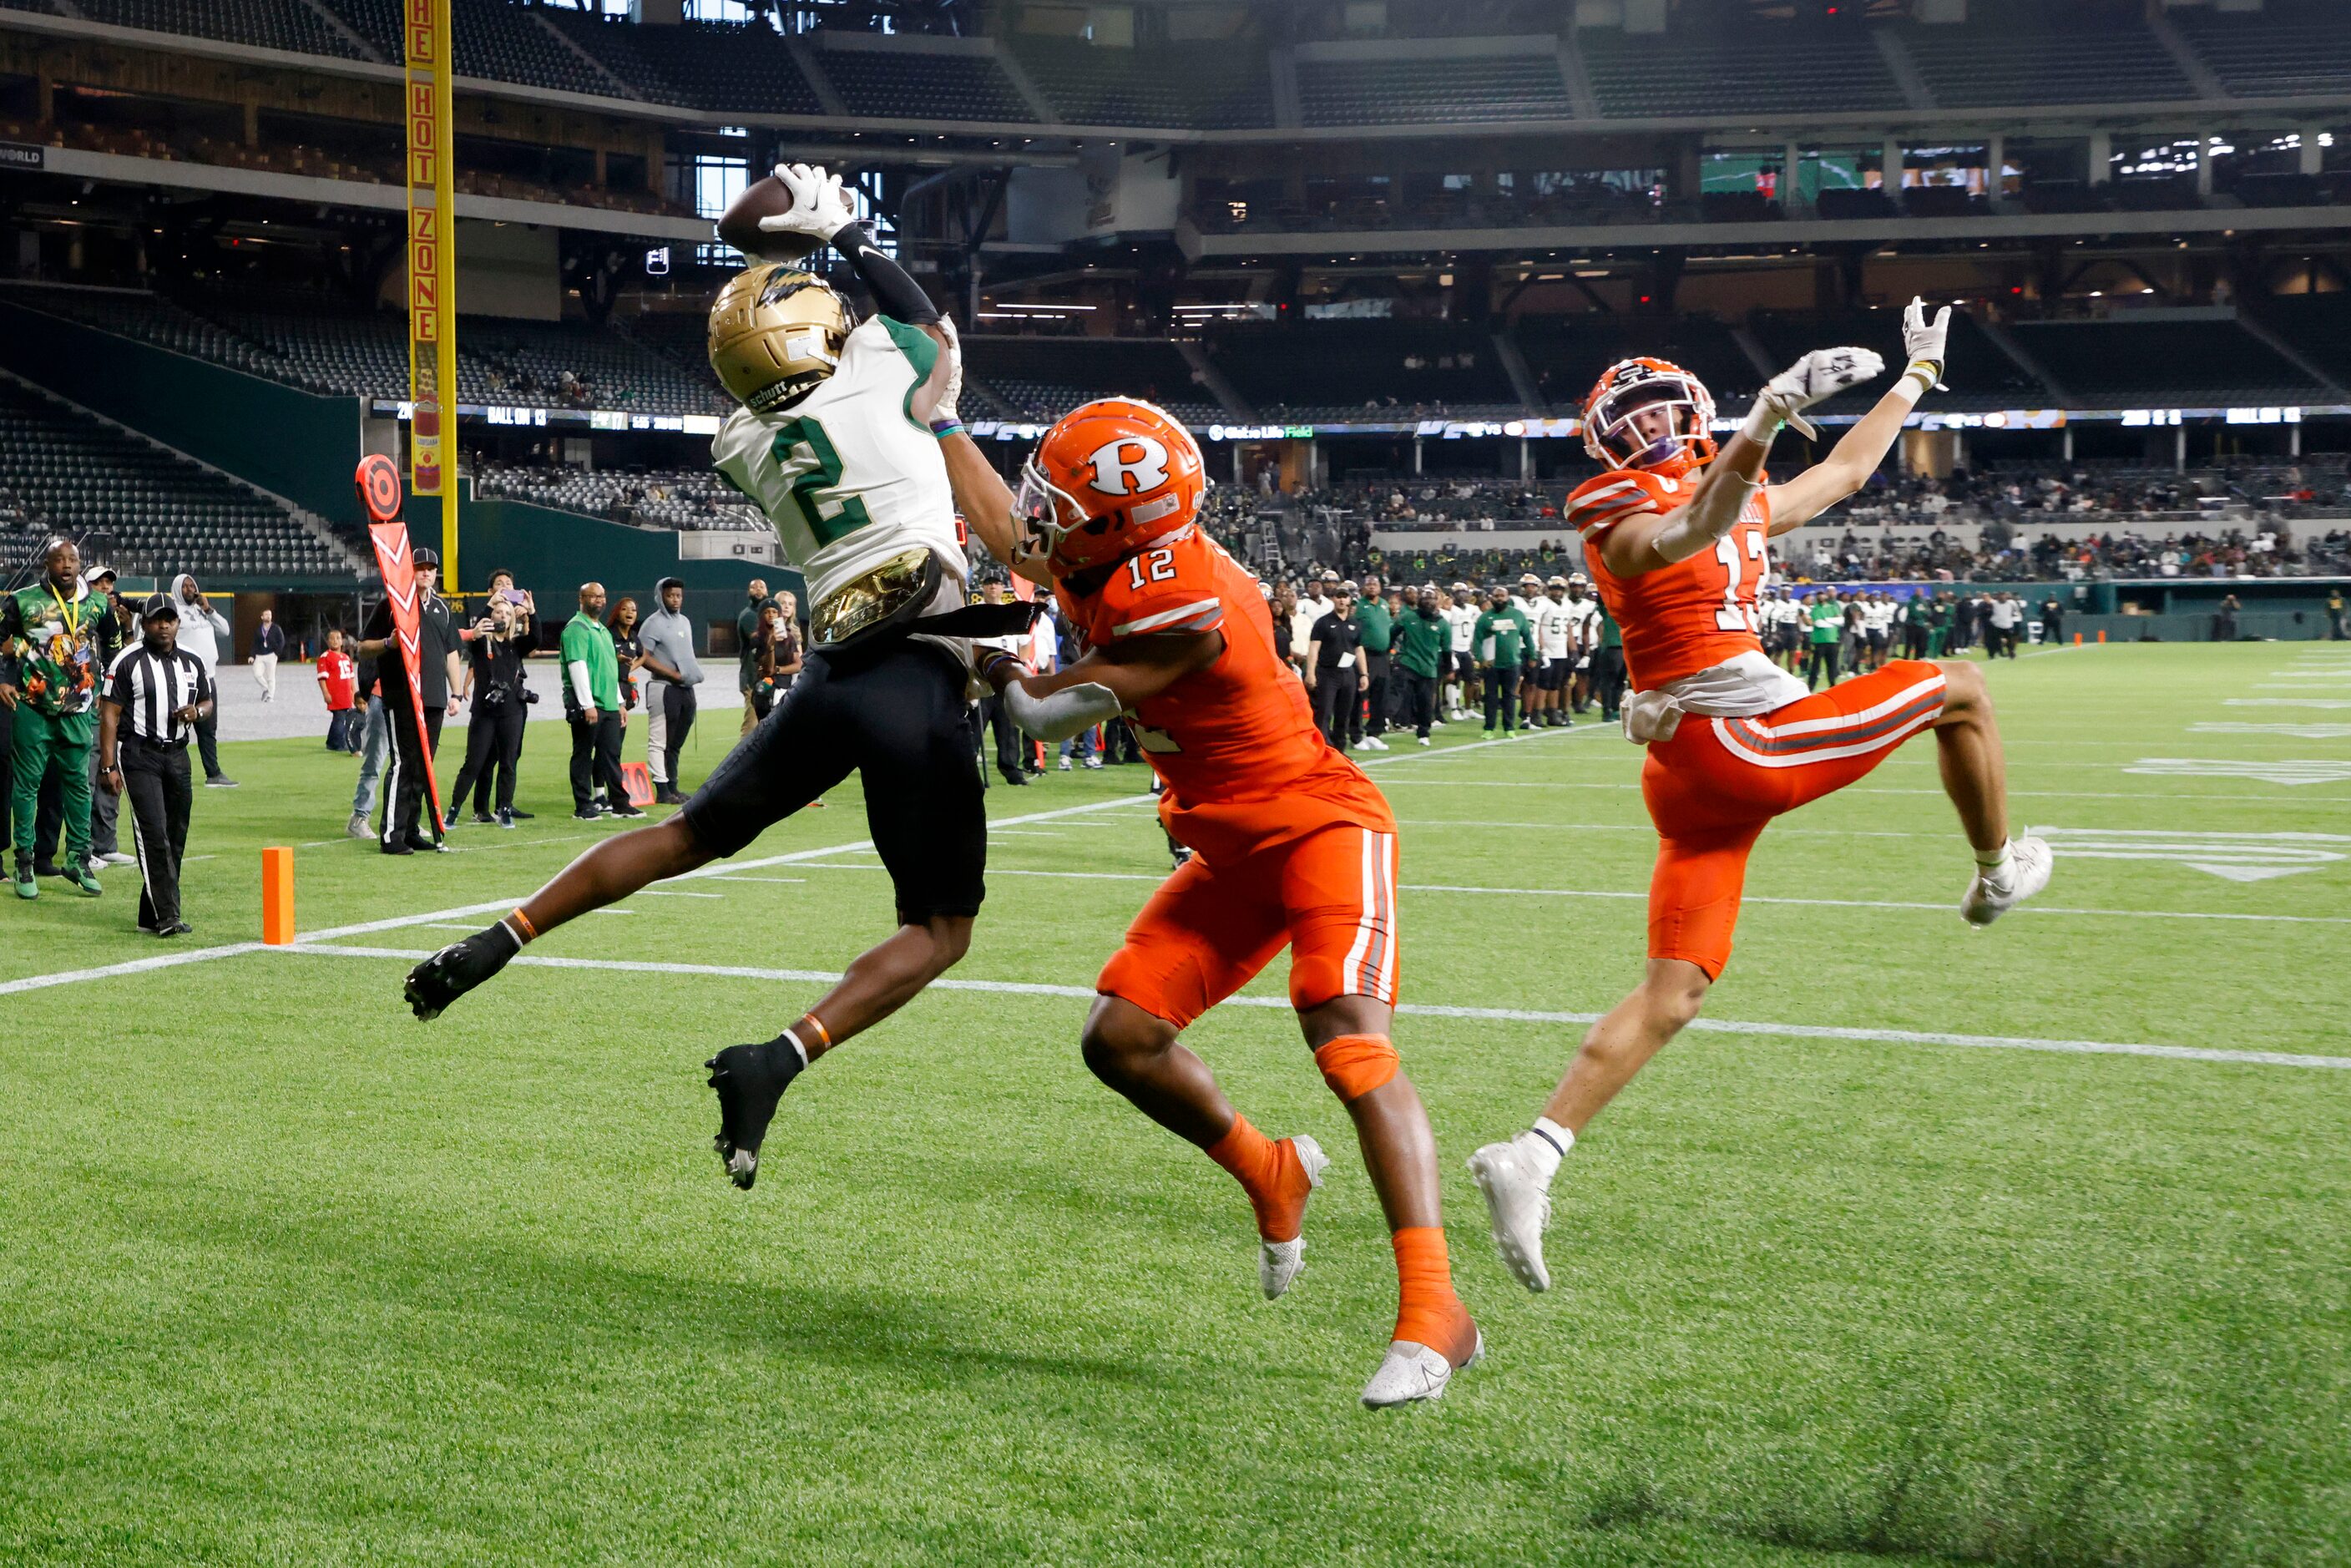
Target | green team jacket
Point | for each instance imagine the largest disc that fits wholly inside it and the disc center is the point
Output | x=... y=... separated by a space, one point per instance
x=52 y=651
x=1506 y=631
x=1420 y=642
x=1828 y=620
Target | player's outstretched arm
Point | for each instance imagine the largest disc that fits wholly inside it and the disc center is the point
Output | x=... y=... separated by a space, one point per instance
x=1852 y=460
x=1101 y=685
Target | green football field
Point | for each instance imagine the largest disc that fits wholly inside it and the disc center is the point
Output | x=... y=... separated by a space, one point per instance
x=2022 y=1246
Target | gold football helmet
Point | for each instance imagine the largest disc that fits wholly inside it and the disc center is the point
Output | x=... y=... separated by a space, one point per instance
x=774 y=332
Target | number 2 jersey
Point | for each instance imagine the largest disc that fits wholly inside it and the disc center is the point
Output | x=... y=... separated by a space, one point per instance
x=1693 y=616
x=1245 y=766
x=847 y=474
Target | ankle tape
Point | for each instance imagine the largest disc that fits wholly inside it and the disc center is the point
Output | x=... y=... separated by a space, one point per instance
x=1355 y=1064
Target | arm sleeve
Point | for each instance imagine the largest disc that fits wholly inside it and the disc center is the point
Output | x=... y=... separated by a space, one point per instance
x=582 y=691
x=894 y=292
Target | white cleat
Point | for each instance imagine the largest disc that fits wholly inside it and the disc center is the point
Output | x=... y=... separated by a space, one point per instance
x=2030 y=863
x=1411 y=1373
x=1279 y=1262
x=1519 y=1203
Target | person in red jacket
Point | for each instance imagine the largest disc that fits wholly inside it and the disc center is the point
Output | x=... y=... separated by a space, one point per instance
x=339 y=684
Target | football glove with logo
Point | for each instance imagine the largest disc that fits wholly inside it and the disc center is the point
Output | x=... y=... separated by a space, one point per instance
x=1922 y=341
x=1818 y=376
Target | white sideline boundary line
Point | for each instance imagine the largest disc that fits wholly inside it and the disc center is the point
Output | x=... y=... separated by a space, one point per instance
x=1947 y=908
x=1423 y=1009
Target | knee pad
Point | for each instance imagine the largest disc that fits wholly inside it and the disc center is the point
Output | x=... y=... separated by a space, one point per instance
x=1355 y=1064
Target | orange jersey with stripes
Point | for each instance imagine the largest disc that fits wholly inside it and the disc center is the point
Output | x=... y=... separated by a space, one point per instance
x=1235 y=742
x=1688 y=616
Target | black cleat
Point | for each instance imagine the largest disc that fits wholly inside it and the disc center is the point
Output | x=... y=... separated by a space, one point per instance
x=749 y=1080
x=458 y=968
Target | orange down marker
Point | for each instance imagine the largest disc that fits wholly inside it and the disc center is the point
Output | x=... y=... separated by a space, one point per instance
x=278 y=896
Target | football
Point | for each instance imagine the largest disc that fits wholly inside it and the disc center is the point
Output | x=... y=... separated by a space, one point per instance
x=738 y=226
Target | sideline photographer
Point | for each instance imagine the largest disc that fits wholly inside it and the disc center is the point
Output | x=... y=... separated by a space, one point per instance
x=501 y=703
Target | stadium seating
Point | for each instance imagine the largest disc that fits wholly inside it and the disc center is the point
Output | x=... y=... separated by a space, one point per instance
x=494 y=39
x=677 y=499
x=1366 y=370
x=705 y=65
x=1044 y=378
x=900 y=85
x=1787 y=70
x=1567 y=353
x=2192 y=363
x=1212 y=86
x=141 y=509
x=2317 y=325
x=2292 y=48
x=2027 y=55
x=289 y=25
x=1371 y=92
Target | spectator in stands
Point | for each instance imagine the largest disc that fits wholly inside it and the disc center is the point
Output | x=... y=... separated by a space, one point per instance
x=268 y=643
x=591 y=701
x=437 y=679
x=747 y=625
x=200 y=629
x=501 y=703
x=339 y=686
x=1334 y=668
x=154 y=694
x=668 y=638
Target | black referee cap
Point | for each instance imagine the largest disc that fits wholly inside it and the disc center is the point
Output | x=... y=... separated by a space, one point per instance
x=159 y=607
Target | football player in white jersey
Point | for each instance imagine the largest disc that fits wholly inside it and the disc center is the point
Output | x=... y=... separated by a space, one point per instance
x=1555 y=657
x=837 y=441
x=1583 y=636
x=1461 y=615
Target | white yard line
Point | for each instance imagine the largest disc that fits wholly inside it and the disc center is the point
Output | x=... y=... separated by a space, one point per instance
x=1503 y=1015
x=672 y=892
x=129 y=967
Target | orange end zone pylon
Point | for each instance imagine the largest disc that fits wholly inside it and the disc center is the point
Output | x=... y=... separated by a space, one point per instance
x=278 y=896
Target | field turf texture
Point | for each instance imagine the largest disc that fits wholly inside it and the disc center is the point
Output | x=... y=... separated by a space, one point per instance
x=287 y=1277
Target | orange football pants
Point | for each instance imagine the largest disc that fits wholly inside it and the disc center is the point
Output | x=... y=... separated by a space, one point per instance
x=1718 y=783
x=1329 y=897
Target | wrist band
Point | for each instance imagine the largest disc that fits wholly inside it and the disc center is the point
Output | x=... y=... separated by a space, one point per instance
x=523 y=926
x=1917 y=380
x=945 y=427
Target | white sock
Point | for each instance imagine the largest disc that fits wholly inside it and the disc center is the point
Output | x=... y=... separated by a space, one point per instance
x=1545 y=1145
x=1995 y=862
x=797 y=1045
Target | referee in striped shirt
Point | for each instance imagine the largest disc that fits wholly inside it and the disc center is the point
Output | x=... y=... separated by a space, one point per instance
x=155 y=695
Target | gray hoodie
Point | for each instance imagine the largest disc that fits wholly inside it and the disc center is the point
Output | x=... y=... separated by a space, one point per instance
x=201 y=626
x=668 y=636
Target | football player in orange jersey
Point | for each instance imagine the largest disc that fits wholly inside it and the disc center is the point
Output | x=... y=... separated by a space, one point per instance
x=1293 y=847
x=1675 y=537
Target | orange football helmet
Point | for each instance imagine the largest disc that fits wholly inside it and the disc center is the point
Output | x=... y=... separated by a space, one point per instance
x=1111 y=476
x=1630 y=387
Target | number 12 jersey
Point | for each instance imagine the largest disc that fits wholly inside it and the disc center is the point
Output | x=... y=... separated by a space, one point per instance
x=1693 y=614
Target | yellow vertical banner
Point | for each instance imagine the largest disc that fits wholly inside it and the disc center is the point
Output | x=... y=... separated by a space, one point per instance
x=431 y=267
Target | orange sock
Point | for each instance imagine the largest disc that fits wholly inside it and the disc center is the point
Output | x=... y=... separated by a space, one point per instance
x=1428 y=1312
x=1269 y=1173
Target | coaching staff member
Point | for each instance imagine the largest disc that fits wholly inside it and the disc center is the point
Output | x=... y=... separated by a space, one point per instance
x=436 y=658
x=591 y=700
x=156 y=695
x=668 y=638
x=1334 y=667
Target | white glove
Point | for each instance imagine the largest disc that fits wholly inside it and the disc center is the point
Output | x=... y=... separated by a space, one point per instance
x=945 y=413
x=1818 y=376
x=1922 y=341
x=818 y=206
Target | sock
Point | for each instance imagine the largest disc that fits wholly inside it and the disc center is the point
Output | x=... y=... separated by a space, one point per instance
x=1995 y=862
x=1428 y=1312
x=1545 y=1145
x=1269 y=1173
